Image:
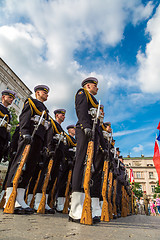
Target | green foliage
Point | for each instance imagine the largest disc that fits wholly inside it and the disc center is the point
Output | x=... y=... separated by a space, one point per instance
x=157 y=188
x=154 y=195
x=137 y=191
x=14 y=120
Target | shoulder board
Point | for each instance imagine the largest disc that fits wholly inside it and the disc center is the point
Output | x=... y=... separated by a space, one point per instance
x=33 y=106
x=54 y=125
x=2 y=115
x=103 y=127
x=88 y=95
x=80 y=92
x=70 y=140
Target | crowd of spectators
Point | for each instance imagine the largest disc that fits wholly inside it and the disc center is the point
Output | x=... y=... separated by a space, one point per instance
x=148 y=206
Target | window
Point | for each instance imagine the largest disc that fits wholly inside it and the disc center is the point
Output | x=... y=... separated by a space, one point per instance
x=138 y=174
x=17 y=101
x=153 y=188
x=151 y=175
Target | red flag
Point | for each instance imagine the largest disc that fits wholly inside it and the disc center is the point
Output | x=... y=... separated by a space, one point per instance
x=158 y=126
x=131 y=176
x=156 y=159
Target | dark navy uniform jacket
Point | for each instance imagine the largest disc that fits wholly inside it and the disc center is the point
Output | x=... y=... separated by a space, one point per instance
x=83 y=105
x=71 y=143
x=55 y=128
x=3 y=131
x=30 y=110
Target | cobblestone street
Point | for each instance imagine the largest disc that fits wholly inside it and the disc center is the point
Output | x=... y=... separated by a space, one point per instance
x=16 y=227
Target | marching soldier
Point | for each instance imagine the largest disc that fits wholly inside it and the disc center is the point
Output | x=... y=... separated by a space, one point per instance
x=31 y=115
x=66 y=167
x=106 y=131
x=120 y=182
x=84 y=101
x=7 y=98
x=96 y=178
x=54 y=132
x=12 y=152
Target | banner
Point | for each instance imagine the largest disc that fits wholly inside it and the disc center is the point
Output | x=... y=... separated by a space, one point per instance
x=156 y=158
x=131 y=176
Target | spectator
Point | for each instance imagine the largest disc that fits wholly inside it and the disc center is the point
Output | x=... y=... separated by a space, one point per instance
x=149 y=209
x=158 y=203
x=153 y=213
x=141 y=201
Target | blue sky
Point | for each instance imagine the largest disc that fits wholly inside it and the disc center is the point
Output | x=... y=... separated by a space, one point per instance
x=59 y=43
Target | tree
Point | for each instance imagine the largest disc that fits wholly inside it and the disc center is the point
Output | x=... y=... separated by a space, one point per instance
x=157 y=188
x=14 y=120
x=137 y=190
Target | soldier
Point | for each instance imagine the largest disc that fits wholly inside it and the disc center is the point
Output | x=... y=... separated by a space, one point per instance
x=96 y=178
x=12 y=152
x=54 y=131
x=66 y=167
x=7 y=98
x=120 y=183
x=30 y=116
x=146 y=202
x=84 y=101
x=106 y=131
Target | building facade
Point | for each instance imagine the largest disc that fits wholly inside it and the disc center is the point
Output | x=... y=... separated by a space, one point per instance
x=9 y=80
x=144 y=172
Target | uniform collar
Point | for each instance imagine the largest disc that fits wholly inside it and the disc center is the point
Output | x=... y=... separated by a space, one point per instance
x=3 y=105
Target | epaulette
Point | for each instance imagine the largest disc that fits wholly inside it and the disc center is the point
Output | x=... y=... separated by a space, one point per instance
x=70 y=140
x=33 y=107
x=54 y=125
x=88 y=96
x=103 y=127
x=2 y=115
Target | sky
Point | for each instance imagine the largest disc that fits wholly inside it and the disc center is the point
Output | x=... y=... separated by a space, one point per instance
x=59 y=43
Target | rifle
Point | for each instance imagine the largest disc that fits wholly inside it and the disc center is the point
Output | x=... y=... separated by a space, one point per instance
x=114 y=197
x=67 y=195
x=67 y=192
x=86 y=217
x=11 y=201
x=123 y=202
x=110 y=194
x=115 y=188
x=51 y=204
x=3 y=120
x=41 y=208
x=34 y=190
x=105 y=211
x=27 y=190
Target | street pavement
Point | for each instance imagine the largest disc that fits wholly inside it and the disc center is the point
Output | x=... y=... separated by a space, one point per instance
x=57 y=227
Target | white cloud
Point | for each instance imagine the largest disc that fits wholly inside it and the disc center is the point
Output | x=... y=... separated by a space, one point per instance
x=38 y=40
x=126 y=132
x=138 y=149
x=149 y=70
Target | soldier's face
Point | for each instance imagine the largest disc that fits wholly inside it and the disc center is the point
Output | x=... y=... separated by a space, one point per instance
x=109 y=129
x=60 y=116
x=72 y=131
x=43 y=95
x=93 y=89
x=7 y=100
x=118 y=153
x=102 y=112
